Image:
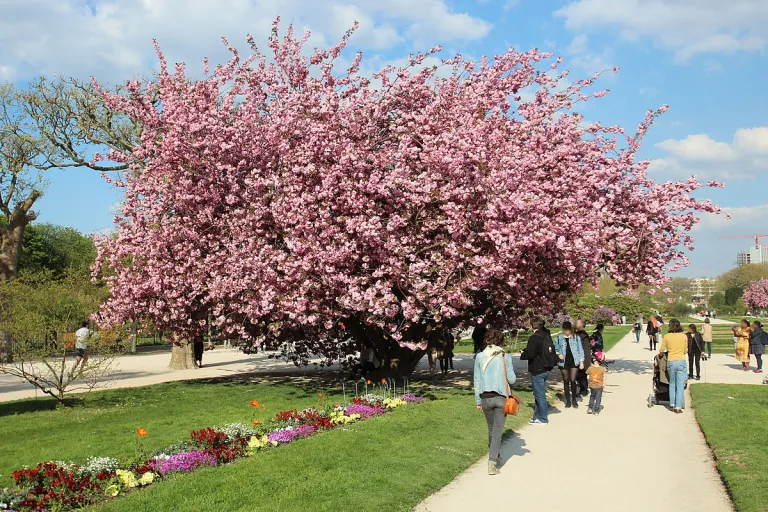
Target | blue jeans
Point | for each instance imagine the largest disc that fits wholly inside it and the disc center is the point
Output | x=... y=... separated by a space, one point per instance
x=677 y=371
x=540 y=406
x=637 y=335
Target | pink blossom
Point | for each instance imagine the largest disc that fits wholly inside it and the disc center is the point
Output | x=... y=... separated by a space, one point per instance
x=282 y=193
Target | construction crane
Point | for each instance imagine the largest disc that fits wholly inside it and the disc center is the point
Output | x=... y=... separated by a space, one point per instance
x=755 y=237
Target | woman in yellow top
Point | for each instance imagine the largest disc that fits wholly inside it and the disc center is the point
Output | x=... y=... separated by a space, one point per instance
x=675 y=344
x=742 y=334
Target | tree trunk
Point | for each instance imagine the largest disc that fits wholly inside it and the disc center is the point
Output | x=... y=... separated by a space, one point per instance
x=182 y=357
x=12 y=235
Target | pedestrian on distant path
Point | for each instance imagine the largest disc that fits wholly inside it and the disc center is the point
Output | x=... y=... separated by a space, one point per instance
x=571 y=354
x=660 y=331
x=199 y=348
x=742 y=335
x=597 y=378
x=623 y=319
x=652 y=330
x=637 y=329
x=707 y=336
x=491 y=391
x=695 y=349
x=82 y=335
x=542 y=358
x=586 y=345
x=757 y=342
x=675 y=344
x=447 y=359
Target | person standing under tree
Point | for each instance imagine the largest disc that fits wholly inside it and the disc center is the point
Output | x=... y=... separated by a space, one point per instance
x=542 y=358
x=571 y=355
x=82 y=335
x=447 y=359
x=586 y=345
x=490 y=381
x=199 y=348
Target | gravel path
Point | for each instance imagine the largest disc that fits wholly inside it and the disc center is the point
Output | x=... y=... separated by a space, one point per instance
x=630 y=458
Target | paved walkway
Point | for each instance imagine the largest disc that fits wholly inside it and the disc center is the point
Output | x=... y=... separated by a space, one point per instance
x=630 y=458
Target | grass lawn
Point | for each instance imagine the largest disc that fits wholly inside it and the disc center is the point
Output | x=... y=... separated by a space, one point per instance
x=734 y=419
x=387 y=463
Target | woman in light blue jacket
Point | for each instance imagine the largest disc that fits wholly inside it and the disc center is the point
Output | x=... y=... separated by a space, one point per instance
x=491 y=391
x=570 y=351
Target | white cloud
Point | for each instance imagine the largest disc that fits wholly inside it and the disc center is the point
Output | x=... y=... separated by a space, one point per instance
x=112 y=39
x=581 y=57
x=687 y=27
x=743 y=219
x=744 y=157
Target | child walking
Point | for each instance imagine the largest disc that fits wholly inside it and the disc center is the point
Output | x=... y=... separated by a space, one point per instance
x=596 y=374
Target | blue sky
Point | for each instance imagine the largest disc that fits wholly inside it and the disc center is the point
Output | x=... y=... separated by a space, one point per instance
x=704 y=58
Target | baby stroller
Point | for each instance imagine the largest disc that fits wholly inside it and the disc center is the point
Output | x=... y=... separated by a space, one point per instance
x=660 y=394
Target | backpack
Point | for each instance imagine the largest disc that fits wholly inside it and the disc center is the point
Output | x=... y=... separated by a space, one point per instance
x=549 y=354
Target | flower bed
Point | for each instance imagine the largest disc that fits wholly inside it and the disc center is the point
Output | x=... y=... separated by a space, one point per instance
x=64 y=486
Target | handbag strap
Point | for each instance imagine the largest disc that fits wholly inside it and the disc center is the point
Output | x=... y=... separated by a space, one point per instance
x=504 y=362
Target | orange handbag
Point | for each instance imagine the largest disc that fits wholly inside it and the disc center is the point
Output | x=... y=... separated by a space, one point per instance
x=512 y=402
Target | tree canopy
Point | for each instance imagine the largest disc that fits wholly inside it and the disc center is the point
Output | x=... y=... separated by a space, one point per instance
x=285 y=198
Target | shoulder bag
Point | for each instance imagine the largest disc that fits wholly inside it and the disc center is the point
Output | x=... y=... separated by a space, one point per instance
x=512 y=402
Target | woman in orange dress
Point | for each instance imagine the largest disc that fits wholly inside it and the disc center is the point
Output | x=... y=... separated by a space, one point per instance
x=742 y=335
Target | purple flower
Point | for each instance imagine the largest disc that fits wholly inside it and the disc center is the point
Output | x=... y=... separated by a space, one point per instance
x=365 y=411
x=286 y=435
x=412 y=399
x=184 y=462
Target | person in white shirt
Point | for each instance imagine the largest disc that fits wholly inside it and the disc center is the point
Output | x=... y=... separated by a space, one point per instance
x=82 y=335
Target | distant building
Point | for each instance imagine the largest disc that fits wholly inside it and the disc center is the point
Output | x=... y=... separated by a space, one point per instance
x=753 y=255
x=702 y=289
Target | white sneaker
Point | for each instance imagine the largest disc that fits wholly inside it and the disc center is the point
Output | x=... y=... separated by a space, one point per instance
x=537 y=421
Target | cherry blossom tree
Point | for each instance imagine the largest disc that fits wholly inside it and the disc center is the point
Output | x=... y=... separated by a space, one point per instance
x=756 y=295
x=290 y=197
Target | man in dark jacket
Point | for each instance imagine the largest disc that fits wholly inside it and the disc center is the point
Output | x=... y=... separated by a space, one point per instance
x=758 y=341
x=586 y=343
x=539 y=344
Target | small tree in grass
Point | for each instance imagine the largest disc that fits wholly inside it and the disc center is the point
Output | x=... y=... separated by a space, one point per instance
x=291 y=198
x=38 y=313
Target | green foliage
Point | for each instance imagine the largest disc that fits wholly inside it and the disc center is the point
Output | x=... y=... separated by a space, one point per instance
x=35 y=314
x=679 y=309
x=717 y=301
x=59 y=250
x=733 y=294
x=585 y=306
x=742 y=276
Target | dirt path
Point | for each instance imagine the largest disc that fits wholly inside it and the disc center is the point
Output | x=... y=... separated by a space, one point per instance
x=630 y=458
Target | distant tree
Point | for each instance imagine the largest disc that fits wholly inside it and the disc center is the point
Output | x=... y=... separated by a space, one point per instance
x=742 y=276
x=733 y=294
x=717 y=301
x=680 y=287
x=59 y=249
x=37 y=311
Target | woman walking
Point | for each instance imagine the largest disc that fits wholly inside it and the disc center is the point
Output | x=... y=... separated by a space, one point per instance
x=652 y=330
x=742 y=335
x=675 y=344
x=695 y=349
x=707 y=336
x=570 y=352
x=757 y=342
x=493 y=369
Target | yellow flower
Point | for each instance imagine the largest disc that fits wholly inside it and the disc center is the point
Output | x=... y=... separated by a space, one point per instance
x=147 y=478
x=127 y=478
x=112 y=490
